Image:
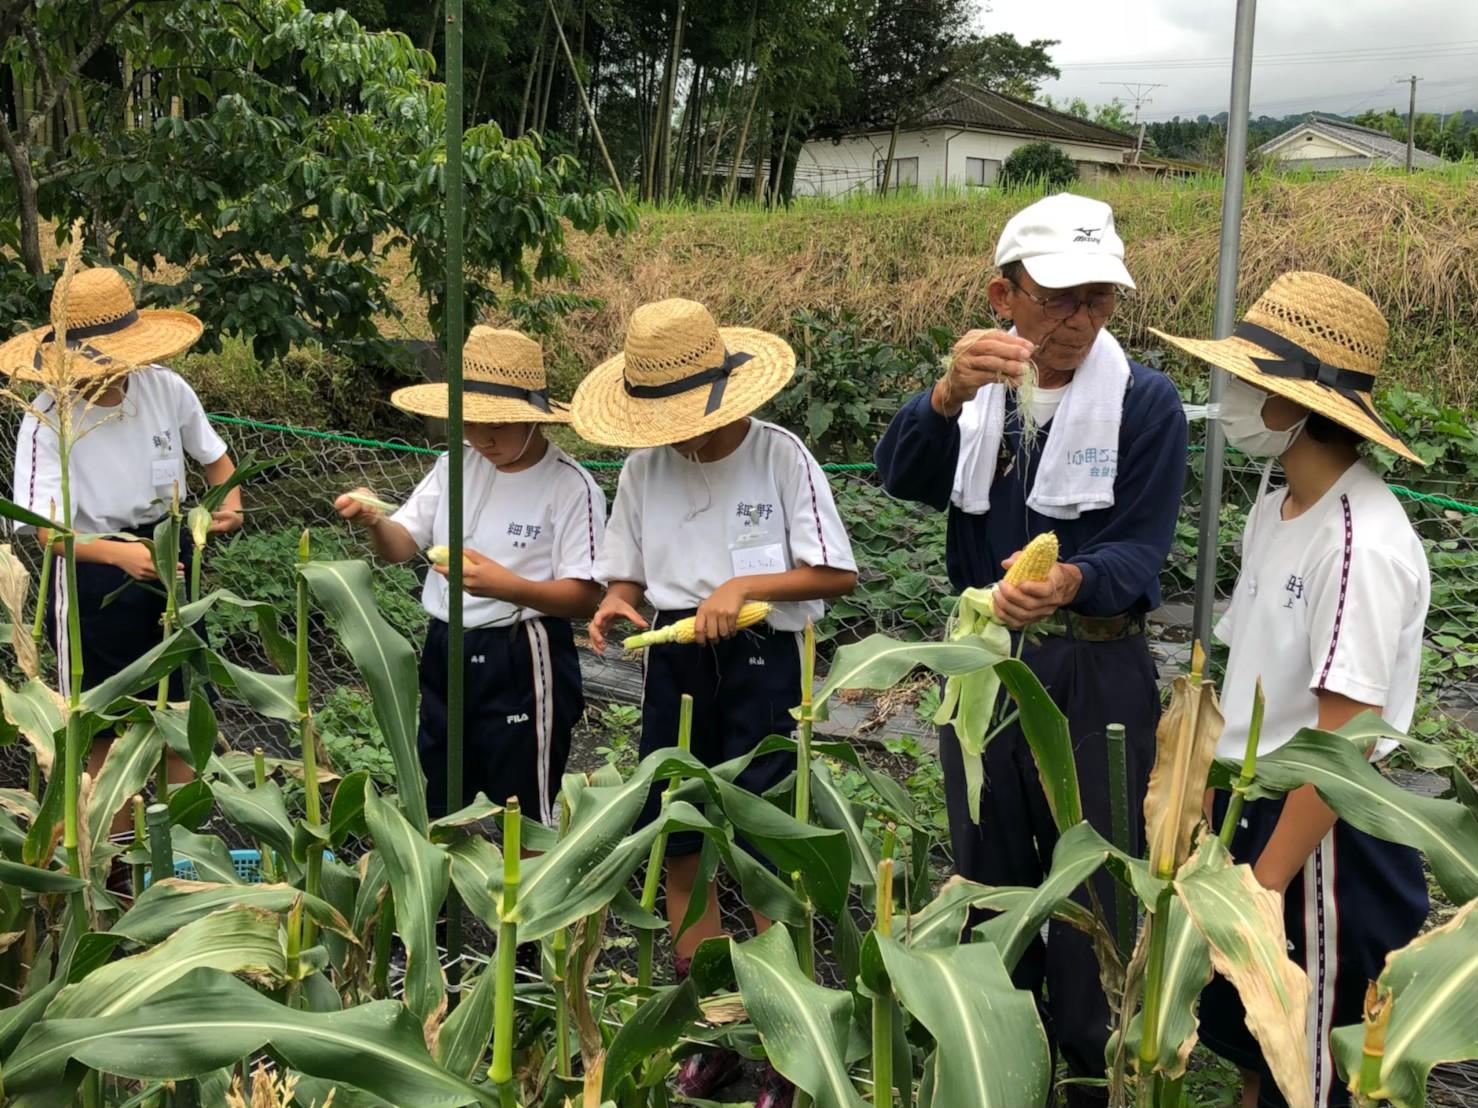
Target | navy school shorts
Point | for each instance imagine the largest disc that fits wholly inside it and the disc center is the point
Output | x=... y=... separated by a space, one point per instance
x=522 y=697
x=743 y=690
x=1358 y=899
x=118 y=634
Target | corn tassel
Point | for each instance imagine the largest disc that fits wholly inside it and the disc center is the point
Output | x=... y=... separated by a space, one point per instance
x=685 y=630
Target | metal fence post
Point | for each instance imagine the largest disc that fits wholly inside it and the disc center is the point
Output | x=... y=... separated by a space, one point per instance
x=1226 y=312
x=453 y=332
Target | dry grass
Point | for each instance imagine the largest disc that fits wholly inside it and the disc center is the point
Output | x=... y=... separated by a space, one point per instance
x=904 y=266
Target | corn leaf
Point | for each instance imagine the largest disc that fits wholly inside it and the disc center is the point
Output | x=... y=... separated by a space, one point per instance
x=1432 y=984
x=271 y=694
x=166 y=906
x=209 y=856
x=259 y=812
x=9 y=509
x=834 y=809
x=878 y=662
x=990 y=1046
x=236 y=940
x=1078 y=855
x=208 y=1019
x=463 y=1038
x=477 y=873
x=36 y=879
x=386 y=661
x=1242 y=923
x=39 y=713
x=804 y=1026
x=131 y=758
x=279 y=647
x=183 y=647
x=418 y=871
x=1045 y=729
x=1445 y=832
x=653 y=1028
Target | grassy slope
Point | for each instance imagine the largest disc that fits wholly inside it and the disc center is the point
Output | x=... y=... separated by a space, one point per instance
x=904 y=265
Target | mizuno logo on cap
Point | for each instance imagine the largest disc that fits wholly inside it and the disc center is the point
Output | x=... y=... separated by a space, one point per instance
x=1088 y=234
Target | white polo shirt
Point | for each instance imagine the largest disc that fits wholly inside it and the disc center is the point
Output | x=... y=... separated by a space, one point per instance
x=681 y=528
x=544 y=523
x=1335 y=599
x=125 y=460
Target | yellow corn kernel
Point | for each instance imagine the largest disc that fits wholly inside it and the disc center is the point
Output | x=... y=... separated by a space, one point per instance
x=1036 y=560
x=684 y=630
x=442 y=556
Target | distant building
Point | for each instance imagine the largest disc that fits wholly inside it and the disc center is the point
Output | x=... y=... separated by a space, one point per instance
x=1324 y=143
x=962 y=139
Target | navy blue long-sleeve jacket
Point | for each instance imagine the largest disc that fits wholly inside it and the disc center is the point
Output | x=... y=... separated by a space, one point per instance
x=1120 y=550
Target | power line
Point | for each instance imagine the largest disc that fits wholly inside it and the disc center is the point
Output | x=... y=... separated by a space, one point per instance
x=1458 y=49
x=1139 y=93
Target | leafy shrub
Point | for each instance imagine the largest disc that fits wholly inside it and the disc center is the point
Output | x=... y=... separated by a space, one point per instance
x=346 y=725
x=259 y=565
x=1040 y=164
x=848 y=383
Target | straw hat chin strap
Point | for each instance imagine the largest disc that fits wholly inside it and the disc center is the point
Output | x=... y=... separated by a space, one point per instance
x=717 y=378
x=1294 y=361
x=539 y=398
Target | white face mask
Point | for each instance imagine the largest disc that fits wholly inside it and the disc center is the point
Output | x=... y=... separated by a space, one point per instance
x=1241 y=419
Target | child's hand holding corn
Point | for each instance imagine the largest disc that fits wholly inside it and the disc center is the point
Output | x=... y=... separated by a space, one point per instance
x=481 y=576
x=718 y=616
x=363 y=507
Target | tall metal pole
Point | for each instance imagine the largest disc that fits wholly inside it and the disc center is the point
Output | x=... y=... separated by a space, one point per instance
x=1226 y=311
x=454 y=333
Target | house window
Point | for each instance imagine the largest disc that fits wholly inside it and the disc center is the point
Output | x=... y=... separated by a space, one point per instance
x=981 y=172
x=905 y=173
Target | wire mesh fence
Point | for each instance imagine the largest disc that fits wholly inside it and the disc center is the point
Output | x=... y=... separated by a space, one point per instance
x=903 y=587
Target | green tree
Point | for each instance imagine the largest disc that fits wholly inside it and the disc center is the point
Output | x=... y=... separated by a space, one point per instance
x=279 y=155
x=1004 y=64
x=1041 y=163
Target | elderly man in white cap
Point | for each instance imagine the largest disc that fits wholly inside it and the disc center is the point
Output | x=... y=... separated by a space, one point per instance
x=1094 y=450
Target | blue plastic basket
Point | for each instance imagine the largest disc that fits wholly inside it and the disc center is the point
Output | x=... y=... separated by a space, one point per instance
x=247 y=863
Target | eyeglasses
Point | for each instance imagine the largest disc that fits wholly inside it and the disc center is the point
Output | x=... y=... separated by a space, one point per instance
x=1062 y=307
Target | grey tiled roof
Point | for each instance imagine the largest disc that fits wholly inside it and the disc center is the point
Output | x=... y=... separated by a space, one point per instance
x=1379 y=147
x=968 y=105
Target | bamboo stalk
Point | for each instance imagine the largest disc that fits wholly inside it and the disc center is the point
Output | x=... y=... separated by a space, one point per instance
x=501 y=1071
x=804 y=728
x=1249 y=770
x=307 y=741
x=589 y=111
x=161 y=851
x=658 y=854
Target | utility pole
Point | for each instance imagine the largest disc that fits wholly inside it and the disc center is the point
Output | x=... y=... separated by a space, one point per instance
x=1410 y=120
x=1139 y=93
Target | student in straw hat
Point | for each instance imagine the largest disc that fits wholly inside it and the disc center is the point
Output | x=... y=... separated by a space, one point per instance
x=533 y=522
x=132 y=429
x=1328 y=614
x=719 y=509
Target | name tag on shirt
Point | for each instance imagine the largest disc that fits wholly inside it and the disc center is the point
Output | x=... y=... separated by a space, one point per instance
x=749 y=561
x=164 y=472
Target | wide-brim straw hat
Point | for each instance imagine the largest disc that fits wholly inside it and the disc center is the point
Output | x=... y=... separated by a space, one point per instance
x=503 y=381
x=679 y=376
x=1316 y=341
x=104 y=326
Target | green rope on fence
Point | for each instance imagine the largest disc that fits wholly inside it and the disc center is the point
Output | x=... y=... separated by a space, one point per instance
x=830 y=467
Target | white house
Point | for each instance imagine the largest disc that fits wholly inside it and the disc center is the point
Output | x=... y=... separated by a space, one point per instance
x=1323 y=143
x=962 y=139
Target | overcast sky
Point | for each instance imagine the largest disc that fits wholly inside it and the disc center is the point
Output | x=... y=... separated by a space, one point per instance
x=1336 y=55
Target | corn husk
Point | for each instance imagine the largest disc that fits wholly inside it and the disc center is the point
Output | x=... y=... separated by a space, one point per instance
x=370 y=500
x=15 y=591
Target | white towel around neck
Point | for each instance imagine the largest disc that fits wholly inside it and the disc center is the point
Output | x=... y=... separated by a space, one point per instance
x=1080 y=457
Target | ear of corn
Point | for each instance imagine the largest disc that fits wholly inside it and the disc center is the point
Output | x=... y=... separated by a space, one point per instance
x=684 y=630
x=442 y=556
x=1036 y=560
x=370 y=500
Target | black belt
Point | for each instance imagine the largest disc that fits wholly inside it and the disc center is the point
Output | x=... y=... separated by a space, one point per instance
x=1071 y=625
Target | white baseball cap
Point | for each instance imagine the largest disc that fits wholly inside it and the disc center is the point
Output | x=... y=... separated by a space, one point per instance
x=1065 y=241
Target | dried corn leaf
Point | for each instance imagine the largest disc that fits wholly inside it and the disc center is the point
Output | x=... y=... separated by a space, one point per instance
x=1242 y=923
x=15 y=592
x=1185 y=744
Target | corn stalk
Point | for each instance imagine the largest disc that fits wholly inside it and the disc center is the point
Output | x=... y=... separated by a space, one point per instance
x=882 y=1002
x=501 y=1070
x=658 y=852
